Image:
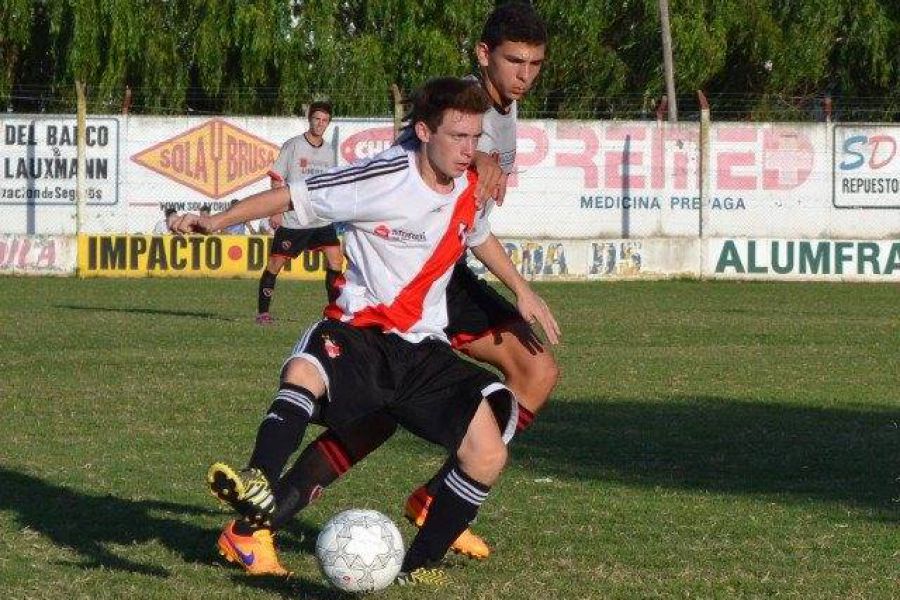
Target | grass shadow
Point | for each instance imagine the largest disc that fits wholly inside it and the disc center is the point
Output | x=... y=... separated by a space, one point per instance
x=194 y=314
x=89 y=524
x=721 y=444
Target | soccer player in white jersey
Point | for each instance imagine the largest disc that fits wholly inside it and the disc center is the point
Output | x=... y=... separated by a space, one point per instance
x=300 y=157
x=382 y=349
x=481 y=323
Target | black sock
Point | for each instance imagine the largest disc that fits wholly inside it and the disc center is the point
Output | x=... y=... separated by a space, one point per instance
x=334 y=281
x=282 y=429
x=454 y=507
x=266 y=290
x=324 y=461
x=434 y=484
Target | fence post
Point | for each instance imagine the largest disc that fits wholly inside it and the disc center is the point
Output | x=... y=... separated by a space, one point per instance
x=661 y=109
x=705 y=175
x=397 y=99
x=126 y=101
x=81 y=124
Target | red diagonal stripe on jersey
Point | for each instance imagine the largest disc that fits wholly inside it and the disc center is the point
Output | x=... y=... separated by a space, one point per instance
x=407 y=307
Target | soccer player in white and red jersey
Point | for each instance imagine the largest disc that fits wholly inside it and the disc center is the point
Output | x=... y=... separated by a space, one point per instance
x=382 y=348
x=300 y=157
x=481 y=323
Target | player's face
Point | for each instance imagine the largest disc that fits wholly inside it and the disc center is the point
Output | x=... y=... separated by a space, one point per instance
x=318 y=123
x=510 y=68
x=451 y=149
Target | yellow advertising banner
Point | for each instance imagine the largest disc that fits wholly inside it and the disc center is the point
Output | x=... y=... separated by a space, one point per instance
x=190 y=256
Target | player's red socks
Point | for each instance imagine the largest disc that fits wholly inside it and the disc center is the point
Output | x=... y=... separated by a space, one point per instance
x=325 y=460
x=525 y=419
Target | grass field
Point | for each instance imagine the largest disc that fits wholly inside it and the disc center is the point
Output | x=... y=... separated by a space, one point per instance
x=707 y=440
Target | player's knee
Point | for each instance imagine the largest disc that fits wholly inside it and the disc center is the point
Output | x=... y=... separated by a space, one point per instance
x=483 y=457
x=533 y=380
x=546 y=376
x=299 y=371
x=492 y=459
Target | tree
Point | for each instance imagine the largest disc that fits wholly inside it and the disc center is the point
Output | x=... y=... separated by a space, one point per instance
x=754 y=58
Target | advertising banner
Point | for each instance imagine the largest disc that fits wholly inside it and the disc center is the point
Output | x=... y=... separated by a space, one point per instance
x=587 y=199
x=866 y=166
x=191 y=256
x=837 y=260
x=39 y=161
x=37 y=255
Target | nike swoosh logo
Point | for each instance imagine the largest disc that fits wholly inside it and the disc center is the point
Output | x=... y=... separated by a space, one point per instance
x=247 y=559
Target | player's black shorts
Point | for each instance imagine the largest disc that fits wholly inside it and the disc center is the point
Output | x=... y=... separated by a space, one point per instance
x=426 y=387
x=474 y=308
x=290 y=242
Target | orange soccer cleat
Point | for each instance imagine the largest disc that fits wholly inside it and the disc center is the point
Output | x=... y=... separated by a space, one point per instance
x=254 y=552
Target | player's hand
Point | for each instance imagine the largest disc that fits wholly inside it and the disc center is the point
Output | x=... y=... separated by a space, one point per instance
x=500 y=195
x=275 y=221
x=489 y=176
x=535 y=311
x=192 y=223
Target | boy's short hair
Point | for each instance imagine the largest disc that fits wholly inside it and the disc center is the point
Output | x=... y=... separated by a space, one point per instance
x=446 y=93
x=321 y=106
x=205 y=208
x=515 y=21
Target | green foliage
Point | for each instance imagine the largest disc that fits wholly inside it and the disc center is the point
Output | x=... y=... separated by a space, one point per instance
x=762 y=58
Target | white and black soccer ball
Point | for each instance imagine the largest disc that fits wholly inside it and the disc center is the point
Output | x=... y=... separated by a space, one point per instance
x=360 y=551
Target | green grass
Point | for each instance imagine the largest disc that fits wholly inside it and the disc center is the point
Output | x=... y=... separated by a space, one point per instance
x=707 y=440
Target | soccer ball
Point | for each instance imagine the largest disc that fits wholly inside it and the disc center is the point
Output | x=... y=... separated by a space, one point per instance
x=360 y=551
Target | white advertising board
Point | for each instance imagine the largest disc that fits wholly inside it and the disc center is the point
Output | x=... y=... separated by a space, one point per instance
x=626 y=194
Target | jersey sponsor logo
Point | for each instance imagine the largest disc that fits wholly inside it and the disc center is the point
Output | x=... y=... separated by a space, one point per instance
x=215 y=158
x=408 y=236
x=399 y=235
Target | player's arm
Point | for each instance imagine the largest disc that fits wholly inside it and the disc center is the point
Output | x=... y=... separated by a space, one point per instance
x=280 y=167
x=531 y=306
x=276 y=180
x=491 y=179
x=264 y=204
